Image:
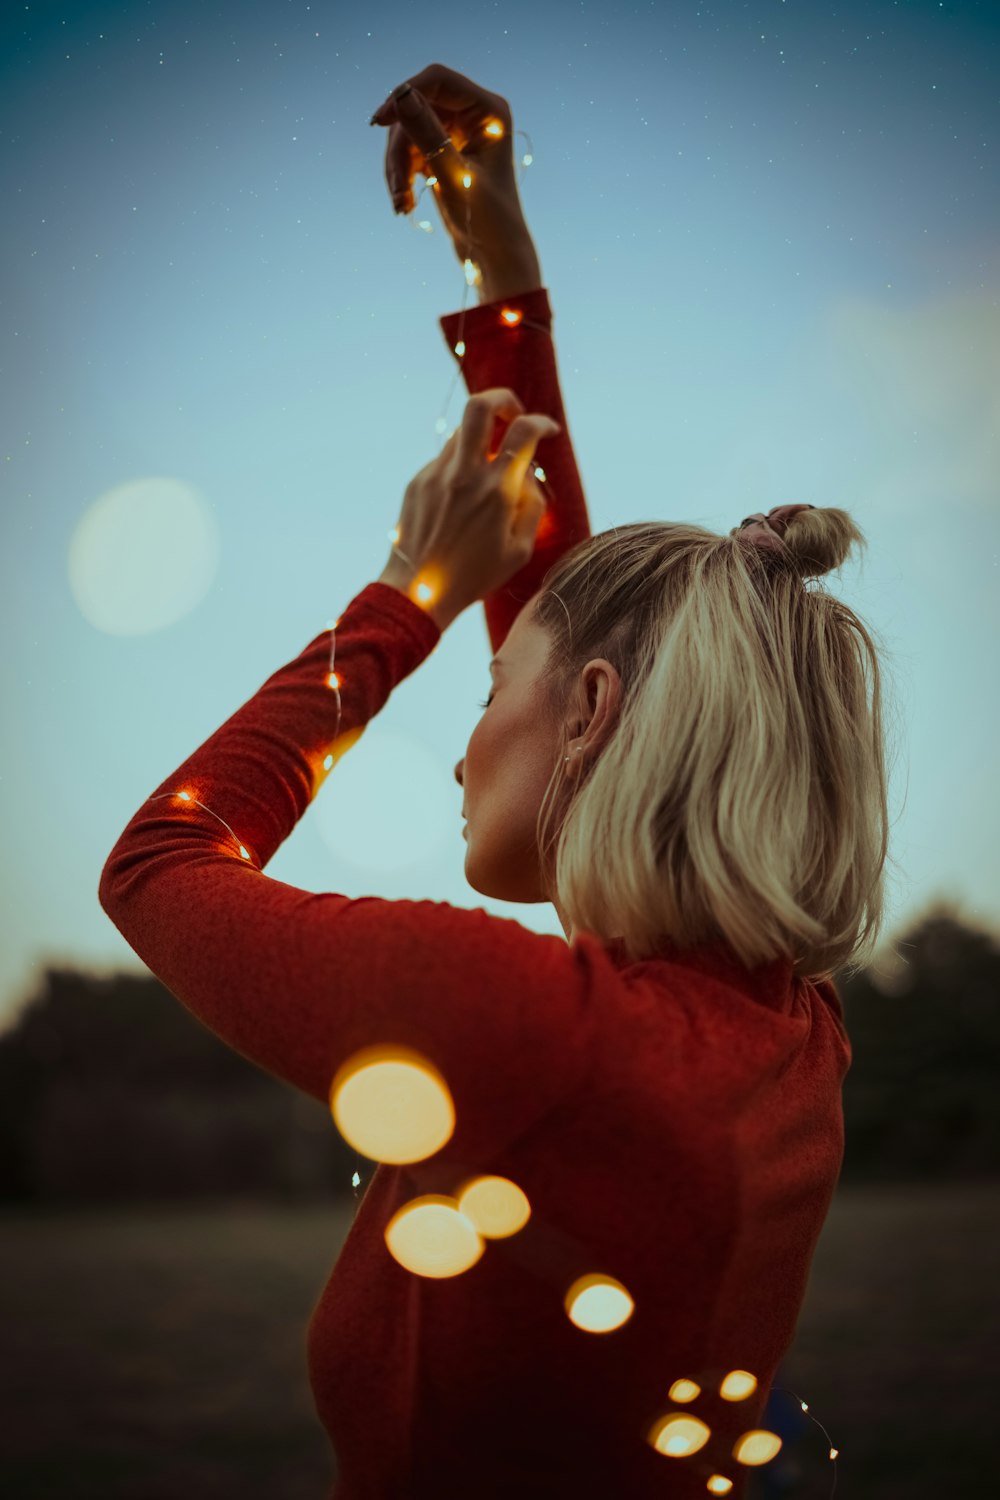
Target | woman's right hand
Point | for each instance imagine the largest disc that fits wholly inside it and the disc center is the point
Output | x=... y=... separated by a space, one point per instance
x=443 y=104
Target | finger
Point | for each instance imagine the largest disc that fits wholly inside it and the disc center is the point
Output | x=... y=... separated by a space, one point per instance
x=527 y=518
x=517 y=479
x=416 y=135
x=482 y=411
x=446 y=90
x=523 y=436
x=403 y=161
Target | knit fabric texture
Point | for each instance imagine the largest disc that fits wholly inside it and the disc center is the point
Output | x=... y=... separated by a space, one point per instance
x=675 y=1124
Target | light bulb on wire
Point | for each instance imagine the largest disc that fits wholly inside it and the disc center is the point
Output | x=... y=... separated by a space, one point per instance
x=684 y=1435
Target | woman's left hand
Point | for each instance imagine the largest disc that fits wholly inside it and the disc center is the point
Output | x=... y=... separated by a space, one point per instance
x=469 y=519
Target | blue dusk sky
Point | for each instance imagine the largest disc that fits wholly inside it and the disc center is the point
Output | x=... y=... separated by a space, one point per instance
x=770 y=234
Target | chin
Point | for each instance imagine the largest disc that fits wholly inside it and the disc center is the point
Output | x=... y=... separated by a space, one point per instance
x=502 y=885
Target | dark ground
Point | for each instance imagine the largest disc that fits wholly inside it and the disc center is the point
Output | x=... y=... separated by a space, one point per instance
x=160 y=1355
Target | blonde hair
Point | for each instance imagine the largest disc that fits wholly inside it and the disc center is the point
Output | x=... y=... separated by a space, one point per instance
x=742 y=797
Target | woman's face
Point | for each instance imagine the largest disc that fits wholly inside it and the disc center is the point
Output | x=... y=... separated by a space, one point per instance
x=511 y=757
x=507 y=766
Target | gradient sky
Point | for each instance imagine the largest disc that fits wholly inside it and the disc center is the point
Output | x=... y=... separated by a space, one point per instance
x=769 y=233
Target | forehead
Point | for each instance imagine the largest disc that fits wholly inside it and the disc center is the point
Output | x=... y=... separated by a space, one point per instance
x=525 y=647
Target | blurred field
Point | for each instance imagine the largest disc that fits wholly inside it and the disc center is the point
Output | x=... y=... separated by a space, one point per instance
x=160 y=1355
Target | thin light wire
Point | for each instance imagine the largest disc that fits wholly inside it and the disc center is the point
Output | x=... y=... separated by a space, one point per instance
x=334 y=684
x=441 y=424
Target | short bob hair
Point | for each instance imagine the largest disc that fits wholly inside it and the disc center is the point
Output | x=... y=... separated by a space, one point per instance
x=742 y=796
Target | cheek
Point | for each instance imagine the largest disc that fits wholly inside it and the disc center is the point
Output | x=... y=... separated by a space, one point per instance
x=495 y=751
x=478 y=752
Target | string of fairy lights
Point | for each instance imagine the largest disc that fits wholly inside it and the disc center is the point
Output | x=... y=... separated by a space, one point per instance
x=439 y=1235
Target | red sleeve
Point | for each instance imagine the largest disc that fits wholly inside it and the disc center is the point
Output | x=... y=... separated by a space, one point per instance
x=297 y=982
x=517 y=351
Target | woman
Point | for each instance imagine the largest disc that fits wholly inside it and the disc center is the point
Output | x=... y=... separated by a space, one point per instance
x=678 y=752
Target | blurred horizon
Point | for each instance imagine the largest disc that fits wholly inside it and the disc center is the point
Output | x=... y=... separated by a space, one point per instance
x=770 y=242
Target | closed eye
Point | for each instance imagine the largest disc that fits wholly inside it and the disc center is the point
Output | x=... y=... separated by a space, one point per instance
x=487 y=703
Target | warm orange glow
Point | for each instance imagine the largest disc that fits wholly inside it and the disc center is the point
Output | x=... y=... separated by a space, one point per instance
x=394 y=535
x=756 y=1447
x=467 y=180
x=495 y=1205
x=719 y=1485
x=684 y=1390
x=511 y=316
x=333 y=680
x=546 y=526
x=738 y=1385
x=678 y=1435
x=495 y=129
x=323 y=760
x=243 y=852
x=598 y=1304
x=391 y=1104
x=431 y=1237
x=428 y=586
x=184 y=796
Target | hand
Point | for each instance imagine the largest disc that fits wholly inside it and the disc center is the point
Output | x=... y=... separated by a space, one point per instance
x=444 y=105
x=469 y=520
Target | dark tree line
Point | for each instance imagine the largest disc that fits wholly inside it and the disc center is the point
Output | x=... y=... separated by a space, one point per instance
x=110 y=1089
x=921 y=1100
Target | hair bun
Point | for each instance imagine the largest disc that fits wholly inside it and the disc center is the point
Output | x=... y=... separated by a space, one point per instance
x=819 y=540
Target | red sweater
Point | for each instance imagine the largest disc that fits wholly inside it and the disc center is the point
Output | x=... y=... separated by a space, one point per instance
x=675 y=1124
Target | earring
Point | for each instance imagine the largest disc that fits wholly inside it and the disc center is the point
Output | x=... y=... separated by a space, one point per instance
x=575 y=752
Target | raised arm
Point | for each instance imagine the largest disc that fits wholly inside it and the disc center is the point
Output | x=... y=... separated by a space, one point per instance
x=506 y=340
x=511 y=269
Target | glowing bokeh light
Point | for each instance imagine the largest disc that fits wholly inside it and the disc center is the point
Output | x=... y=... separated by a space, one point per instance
x=143 y=556
x=684 y=1390
x=679 y=1434
x=756 y=1447
x=495 y=1205
x=738 y=1385
x=392 y=1105
x=598 y=1304
x=431 y=1237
